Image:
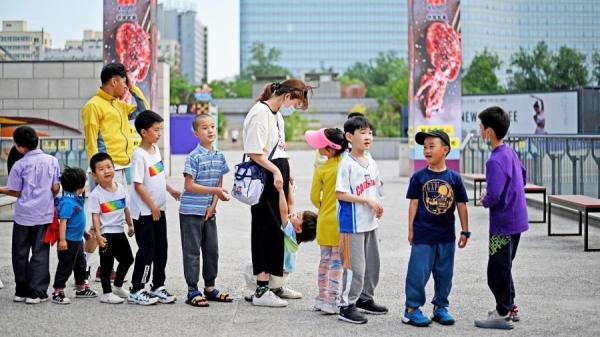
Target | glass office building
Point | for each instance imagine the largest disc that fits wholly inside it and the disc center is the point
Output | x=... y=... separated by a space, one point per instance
x=318 y=34
x=315 y=35
x=504 y=26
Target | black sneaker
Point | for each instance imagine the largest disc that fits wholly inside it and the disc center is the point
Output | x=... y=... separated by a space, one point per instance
x=60 y=298
x=86 y=293
x=352 y=315
x=370 y=307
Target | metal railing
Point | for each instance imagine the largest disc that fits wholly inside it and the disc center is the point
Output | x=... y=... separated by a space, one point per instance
x=70 y=151
x=565 y=164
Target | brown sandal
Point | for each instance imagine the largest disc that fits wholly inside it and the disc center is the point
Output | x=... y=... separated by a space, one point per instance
x=196 y=299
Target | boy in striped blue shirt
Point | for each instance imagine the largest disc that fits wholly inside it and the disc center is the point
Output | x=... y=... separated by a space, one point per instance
x=203 y=173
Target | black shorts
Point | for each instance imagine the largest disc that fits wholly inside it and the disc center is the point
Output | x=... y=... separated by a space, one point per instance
x=267 y=236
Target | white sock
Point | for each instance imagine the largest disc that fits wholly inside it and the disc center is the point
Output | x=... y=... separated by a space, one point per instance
x=88 y=259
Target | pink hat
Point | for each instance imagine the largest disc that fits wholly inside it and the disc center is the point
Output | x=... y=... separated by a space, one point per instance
x=318 y=140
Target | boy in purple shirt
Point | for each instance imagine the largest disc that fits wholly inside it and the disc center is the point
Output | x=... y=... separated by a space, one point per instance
x=505 y=197
x=33 y=180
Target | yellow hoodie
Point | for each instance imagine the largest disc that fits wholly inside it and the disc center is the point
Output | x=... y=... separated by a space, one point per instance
x=106 y=127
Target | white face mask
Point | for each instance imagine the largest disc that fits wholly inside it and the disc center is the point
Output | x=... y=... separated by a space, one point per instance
x=287 y=110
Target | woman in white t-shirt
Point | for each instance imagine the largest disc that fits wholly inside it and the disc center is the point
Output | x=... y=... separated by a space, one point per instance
x=264 y=134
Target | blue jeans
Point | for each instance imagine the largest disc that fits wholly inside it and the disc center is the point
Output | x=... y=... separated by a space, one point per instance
x=427 y=259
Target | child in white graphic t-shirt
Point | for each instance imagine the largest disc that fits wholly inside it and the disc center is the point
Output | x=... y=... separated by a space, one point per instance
x=359 y=208
x=109 y=205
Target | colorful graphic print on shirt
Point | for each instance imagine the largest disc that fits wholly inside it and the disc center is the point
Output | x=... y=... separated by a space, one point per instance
x=438 y=196
x=369 y=182
x=111 y=206
x=156 y=168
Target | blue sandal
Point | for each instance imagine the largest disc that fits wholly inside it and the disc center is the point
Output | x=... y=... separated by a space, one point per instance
x=217 y=296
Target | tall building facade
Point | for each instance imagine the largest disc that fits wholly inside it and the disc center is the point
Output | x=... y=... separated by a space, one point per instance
x=185 y=28
x=319 y=34
x=504 y=26
x=169 y=51
x=315 y=35
x=88 y=49
x=23 y=45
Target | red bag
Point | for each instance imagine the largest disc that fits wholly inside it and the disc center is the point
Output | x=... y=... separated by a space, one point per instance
x=52 y=232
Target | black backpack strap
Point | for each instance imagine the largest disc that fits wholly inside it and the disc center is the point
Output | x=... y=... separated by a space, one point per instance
x=278 y=140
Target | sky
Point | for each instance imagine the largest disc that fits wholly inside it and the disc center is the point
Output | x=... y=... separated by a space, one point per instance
x=67 y=19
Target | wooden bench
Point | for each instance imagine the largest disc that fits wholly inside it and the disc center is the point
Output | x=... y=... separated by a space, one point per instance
x=581 y=203
x=478 y=180
x=537 y=189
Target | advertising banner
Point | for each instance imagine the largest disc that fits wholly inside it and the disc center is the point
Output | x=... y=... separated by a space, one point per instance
x=131 y=38
x=435 y=60
x=530 y=113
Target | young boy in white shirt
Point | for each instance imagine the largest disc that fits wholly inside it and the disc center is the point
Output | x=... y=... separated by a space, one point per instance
x=109 y=205
x=148 y=204
x=359 y=209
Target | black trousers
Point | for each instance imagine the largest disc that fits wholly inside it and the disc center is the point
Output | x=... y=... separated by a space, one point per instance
x=267 y=236
x=70 y=261
x=503 y=249
x=151 y=238
x=32 y=274
x=117 y=248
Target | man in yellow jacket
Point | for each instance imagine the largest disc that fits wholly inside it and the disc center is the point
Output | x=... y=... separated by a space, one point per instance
x=106 y=128
x=106 y=119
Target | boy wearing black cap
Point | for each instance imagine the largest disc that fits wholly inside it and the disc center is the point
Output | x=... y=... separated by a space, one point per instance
x=434 y=192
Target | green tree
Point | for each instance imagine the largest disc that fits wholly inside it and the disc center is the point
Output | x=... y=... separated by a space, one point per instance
x=179 y=87
x=238 y=88
x=532 y=69
x=480 y=77
x=596 y=67
x=544 y=70
x=568 y=69
x=264 y=62
x=386 y=78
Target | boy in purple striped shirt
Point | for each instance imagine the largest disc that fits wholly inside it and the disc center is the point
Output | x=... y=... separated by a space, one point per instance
x=33 y=180
x=505 y=197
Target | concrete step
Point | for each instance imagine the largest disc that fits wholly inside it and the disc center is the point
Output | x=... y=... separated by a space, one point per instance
x=7 y=208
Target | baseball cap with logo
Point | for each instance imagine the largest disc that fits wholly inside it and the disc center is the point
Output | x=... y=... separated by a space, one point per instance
x=420 y=136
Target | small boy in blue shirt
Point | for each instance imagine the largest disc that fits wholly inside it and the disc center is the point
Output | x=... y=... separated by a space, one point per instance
x=434 y=192
x=71 y=216
x=203 y=173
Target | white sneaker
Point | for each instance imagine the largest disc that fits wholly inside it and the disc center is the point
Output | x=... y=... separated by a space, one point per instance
x=141 y=297
x=162 y=295
x=1 y=284
x=495 y=321
x=36 y=300
x=318 y=304
x=18 y=299
x=111 y=298
x=269 y=299
x=329 y=308
x=288 y=293
x=119 y=291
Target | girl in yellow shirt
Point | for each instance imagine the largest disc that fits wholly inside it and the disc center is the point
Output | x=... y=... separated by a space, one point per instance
x=332 y=144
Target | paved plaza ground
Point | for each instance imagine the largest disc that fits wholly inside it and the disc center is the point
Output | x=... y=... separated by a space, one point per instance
x=558 y=284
